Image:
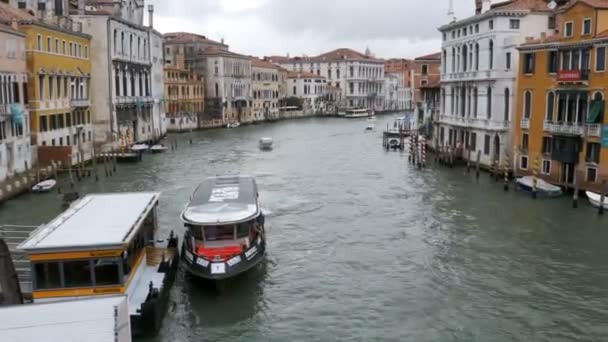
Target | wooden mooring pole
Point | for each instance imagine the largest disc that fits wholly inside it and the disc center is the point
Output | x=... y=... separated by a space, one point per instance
x=603 y=193
x=477 y=165
x=535 y=179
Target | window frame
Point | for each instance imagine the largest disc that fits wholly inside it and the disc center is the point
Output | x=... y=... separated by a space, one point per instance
x=596 y=58
x=571 y=23
x=587 y=174
x=512 y=23
x=521 y=158
x=583 y=33
x=546 y=162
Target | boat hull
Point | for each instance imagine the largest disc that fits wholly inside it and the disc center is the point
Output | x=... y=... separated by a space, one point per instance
x=216 y=271
x=527 y=188
x=594 y=199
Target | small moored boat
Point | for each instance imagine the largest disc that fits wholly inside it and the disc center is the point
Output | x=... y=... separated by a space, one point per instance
x=139 y=147
x=370 y=126
x=543 y=188
x=44 y=186
x=595 y=199
x=266 y=143
x=225 y=233
x=158 y=148
x=233 y=125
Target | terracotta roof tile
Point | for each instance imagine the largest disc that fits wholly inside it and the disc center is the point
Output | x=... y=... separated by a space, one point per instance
x=258 y=63
x=522 y=5
x=8 y=13
x=433 y=56
x=592 y=3
x=186 y=37
x=343 y=53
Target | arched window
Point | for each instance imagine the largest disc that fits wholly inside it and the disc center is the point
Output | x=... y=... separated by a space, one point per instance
x=115 y=40
x=507 y=104
x=550 y=106
x=444 y=62
x=122 y=43
x=465 y=62
x=476 y=56
x=527 y=104
x=294 y=90
x=131 y=46
x=475 y=100
x=453 y=59
x=491 y=61
x=489 y=103
x=138 y=47
x=598 y=96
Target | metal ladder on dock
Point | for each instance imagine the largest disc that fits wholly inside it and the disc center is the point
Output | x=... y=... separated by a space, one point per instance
x=13 y=235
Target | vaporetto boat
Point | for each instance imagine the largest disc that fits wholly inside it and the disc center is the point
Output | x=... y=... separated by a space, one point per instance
x=225 y=233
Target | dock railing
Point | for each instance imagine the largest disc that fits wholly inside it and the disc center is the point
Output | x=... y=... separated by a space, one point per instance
x=13 y=235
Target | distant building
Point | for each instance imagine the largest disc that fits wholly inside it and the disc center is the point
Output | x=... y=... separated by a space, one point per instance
x=560 y=121
x=185 y=96
x=15 y=151
x=400 y=66
x=309 y=87
x=359 y=76
x=266 y=83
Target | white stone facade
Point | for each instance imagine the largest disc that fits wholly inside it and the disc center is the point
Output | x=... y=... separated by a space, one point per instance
x=309 y=87
x=265 y=82
x=479 y=67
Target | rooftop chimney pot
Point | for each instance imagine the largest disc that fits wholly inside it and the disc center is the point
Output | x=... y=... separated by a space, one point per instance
x=151 y=16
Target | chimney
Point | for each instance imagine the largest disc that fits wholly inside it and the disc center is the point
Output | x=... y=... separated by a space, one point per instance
x=117 y=9
x=81 y=7
x=486 y=6
x=478 y=6
x=222 y=40
x=151 y=16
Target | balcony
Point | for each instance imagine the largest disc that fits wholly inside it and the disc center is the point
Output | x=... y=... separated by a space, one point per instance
x=564 y=128
x=525 y=124
x=594 y=130
x=80 y=103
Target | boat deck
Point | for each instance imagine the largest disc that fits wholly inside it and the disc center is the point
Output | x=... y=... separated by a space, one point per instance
x=14 y=235
x=141 y=290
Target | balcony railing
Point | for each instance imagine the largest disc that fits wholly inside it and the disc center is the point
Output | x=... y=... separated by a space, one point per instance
x=525 y=123
x=564 y=127
x=572 y=75
x=80 y=102
x=594 y=130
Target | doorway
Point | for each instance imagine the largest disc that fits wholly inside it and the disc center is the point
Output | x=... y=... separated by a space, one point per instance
x=567 y=173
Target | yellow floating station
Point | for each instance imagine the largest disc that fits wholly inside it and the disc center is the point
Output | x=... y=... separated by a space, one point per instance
x=106 y=244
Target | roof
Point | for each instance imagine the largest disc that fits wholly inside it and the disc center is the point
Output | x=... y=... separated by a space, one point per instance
x=187 y=37
x=223 y=200
x=90 y=320
x=344 y=53
x=258 y=63
x=302 y=74
x=7 y=13
x=522 y=5
x=94 y=221
x=593 y=3
x=214 y=51
x=11 y=30
x=433 y=56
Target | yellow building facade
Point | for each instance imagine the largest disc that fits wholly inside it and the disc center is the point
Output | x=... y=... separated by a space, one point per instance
x=561 y=129
x=59 y=67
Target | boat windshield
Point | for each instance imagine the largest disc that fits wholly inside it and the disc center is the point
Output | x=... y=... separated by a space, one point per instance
x=218 y=233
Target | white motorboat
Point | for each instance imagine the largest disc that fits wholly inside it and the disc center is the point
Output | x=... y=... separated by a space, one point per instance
x=233 y=125
x=372 y=119
x=44 y=186
x=158 y=148
x=266 y=143
x=543 y=188
x=370 y=126
x=357 y=113
x=139 y=147
x=595 y=199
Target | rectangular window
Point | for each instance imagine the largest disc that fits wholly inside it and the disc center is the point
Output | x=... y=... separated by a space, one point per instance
x=56 y=45
x=39 y=45
x=51 y=88
x=600 y=59
x=491 y=24
x=514 y=24
x=476 y=28
x=486 y=145
x=529 y=63
x=508 y=61
x=524 y=142
x=523 y=163
x=593 y=153
x=473 y=142
x=77 y=273
x=568 y=29
x=425 y=69
x=552 y=62
x=591 y=175
x=63 y=47
x=546 y=167
x=106 y=272
x=48 y=275
x=547 y=145
x=48 y=44
x=587 y=26
x=43 y=124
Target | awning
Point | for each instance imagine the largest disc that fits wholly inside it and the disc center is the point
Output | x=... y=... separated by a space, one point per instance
x=595 y=112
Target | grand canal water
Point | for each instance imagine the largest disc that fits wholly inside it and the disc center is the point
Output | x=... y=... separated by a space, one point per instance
x=364 y=247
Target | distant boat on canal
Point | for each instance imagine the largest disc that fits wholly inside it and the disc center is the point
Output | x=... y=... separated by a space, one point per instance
x=225 y=233
x=44 y=186
x=266 y=144
x=543 y=188
x=233 y=125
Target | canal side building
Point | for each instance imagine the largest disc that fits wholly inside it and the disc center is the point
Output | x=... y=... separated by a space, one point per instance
x=16 y=154
x=59 y=69
x=185 y=100
x=122 y=107
x=310 y=88
x=265 y=83
x=479 y=66
x=560 y=122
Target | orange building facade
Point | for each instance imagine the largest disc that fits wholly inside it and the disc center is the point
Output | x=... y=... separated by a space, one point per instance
x=561 y=129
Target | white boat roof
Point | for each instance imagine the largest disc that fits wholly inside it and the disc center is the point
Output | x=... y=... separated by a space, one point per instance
x=95 y=221
x=223 y=200
x=90 y=320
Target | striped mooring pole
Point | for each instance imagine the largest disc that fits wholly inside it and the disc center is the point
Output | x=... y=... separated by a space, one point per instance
x=411 y=158
x=423 y=147
x=506 y=170
x=535 y=178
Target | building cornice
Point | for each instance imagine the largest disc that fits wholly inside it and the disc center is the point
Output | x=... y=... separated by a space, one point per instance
x=487 y=15
x=558 y=45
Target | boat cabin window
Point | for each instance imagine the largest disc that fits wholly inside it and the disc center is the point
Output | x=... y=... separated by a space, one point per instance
x=218 y=233
x=77 y=273
x=242 y=230
x=48 y=275
x=144 y=238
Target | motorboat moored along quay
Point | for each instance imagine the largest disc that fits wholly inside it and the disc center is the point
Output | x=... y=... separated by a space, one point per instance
x=225 y=233
x=102 y=245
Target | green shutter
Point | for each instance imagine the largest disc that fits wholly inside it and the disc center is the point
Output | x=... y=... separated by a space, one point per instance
x=595 y=112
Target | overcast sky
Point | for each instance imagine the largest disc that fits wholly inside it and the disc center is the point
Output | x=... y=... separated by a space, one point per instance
x=391 y=28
